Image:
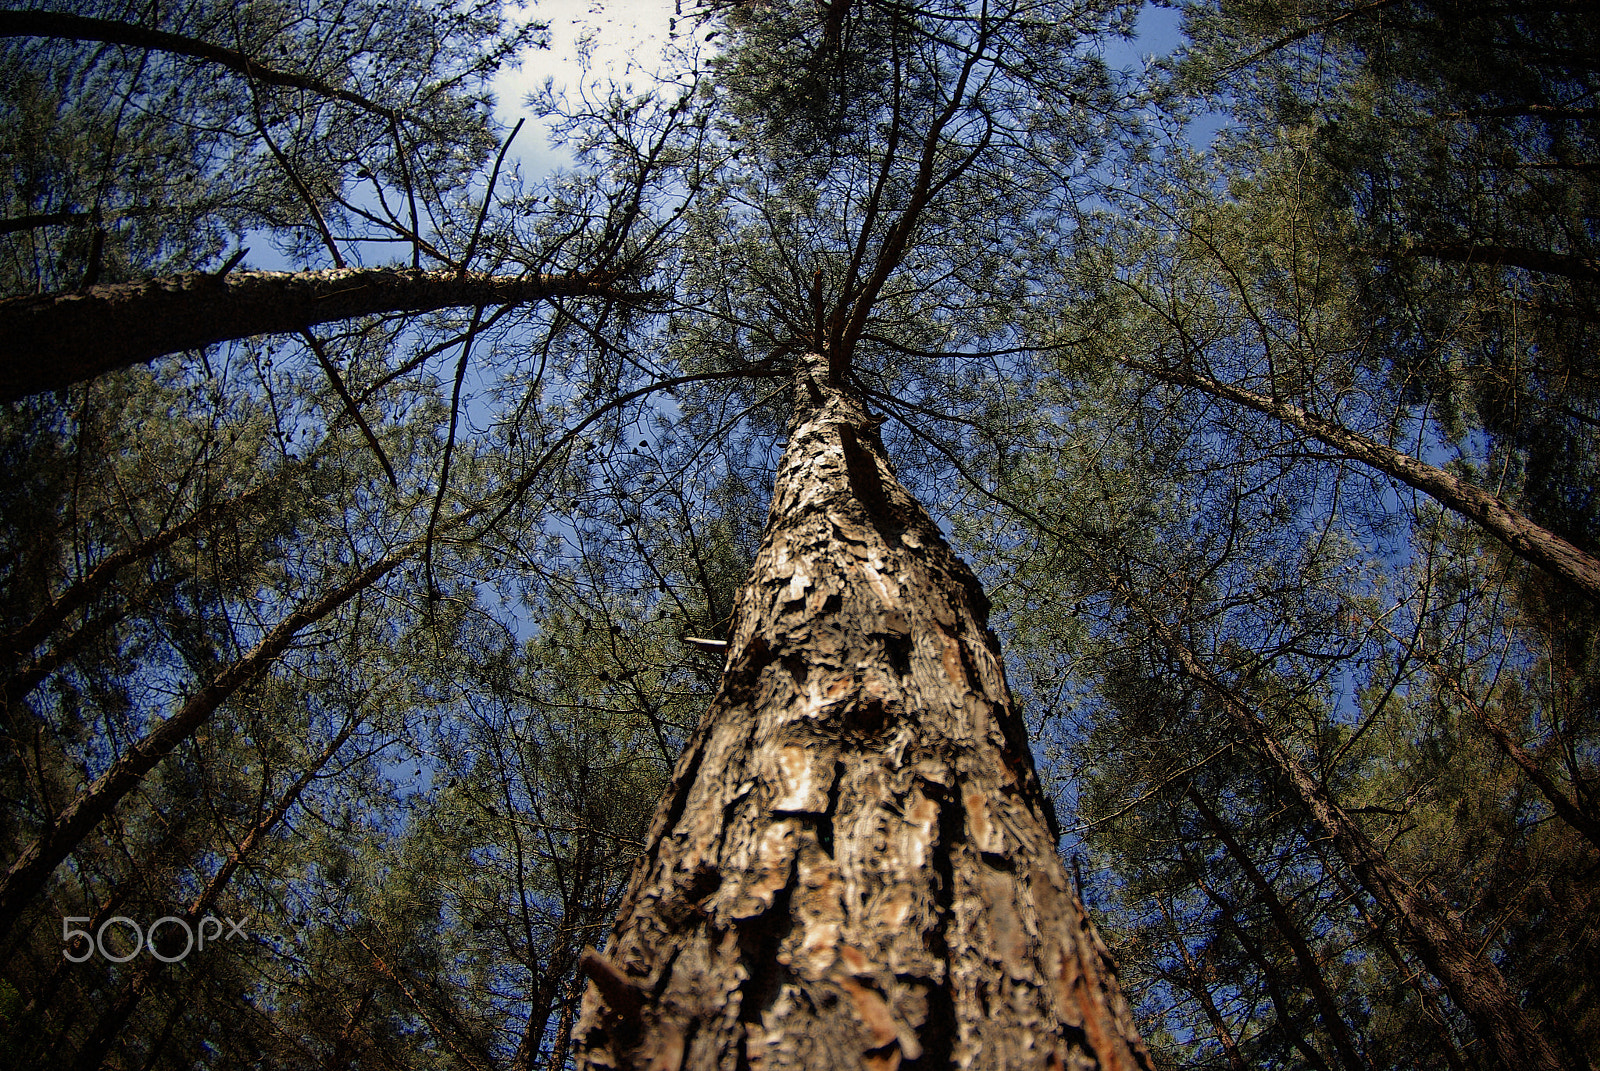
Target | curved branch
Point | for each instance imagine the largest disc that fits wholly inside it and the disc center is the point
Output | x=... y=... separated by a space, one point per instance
x=56 y=25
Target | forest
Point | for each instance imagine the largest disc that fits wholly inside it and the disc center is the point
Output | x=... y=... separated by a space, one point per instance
x=920 y=543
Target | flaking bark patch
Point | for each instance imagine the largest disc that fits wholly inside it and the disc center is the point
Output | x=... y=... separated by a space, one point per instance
x=855 y=864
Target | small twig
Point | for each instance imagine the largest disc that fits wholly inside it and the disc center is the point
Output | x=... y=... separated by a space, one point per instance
x=232 y=262
x=294 y=177
x=449 y=446
x=488 y=196
x=97 y=245
x=350 y=405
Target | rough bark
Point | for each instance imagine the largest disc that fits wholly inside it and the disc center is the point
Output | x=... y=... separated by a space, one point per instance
x=49 y=341
x=1527 y=540
x=854 y=864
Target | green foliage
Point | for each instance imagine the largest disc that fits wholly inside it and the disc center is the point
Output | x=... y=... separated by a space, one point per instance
x=136 y=161
x=1372 y=241
x=427 y=803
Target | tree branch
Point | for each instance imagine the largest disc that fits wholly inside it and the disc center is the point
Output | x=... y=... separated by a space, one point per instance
x=1526 y=539
x=49 y=341
x=78 y=28
x=62 y=832
x=1539 y=260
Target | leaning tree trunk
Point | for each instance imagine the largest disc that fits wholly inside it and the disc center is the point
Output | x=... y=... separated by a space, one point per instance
x=1493 y=514
x=51 y=341
x=854 y=864
x=1511 y=1036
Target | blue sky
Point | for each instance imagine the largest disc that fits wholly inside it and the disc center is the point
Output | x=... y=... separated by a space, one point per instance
x=625 y=39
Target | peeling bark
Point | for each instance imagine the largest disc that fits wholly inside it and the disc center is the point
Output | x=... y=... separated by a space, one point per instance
x=854 y=864
x=49 y=341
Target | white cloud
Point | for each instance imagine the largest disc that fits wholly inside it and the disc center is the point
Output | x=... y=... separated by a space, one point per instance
x=625 y=41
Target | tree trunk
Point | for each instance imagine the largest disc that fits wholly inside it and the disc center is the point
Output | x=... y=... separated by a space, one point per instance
x=1432 y=930
x=20 y=641
x=1569 y=809
x=1526 y=539
x=1539 y=260
x=49 y=341
x=1305 y=959
x=1432 y=1007
x=1270 y=974
x=62 y=832
x=121 y=1006
x=854 y=864
x=1196 y=982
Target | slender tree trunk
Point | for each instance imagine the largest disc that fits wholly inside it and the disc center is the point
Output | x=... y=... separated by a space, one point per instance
x=1305 y=959
x=49 y=341
x=34 y=865
x=43 y=996
x=539 y=1007
x=556 y=1059
x=1526 y=539
x=436 y=1012
x=1568 y=808
x=1270 y=974
x=25 y=637
x=1197 y=975
x=854 y=864
x=168 y=1025
x=339 y=1058
x=1432 y=1007
x=121 y=1006
x=1420 y=912
x=1539 y=260
x=30 y=674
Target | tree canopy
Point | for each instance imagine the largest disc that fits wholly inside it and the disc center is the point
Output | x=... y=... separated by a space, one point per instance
x=377 y=509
